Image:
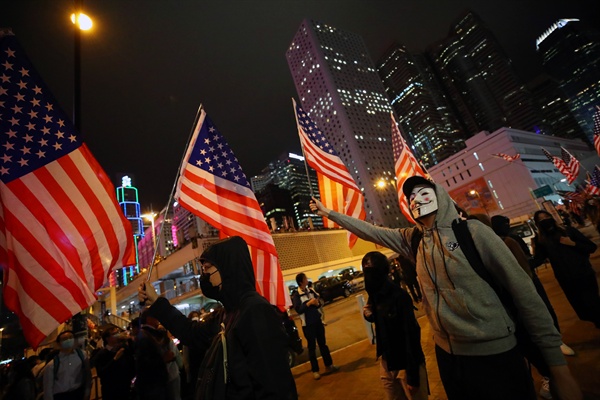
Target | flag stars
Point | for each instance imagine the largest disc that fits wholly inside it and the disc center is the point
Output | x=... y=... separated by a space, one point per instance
x=3 y=91
x=23 y=162
x=20 y=97
x=59 y=135
x=11 y=133
x=32 y=114
x=5 y=78
x=61 y=123
x=4 y=170
x=28 y=138
x=48 y=119
x=14 y=121
x=24 y=72
x=57 y=146
x=35 y=103
x=199 y=162
x=7 y=65
x=22 y=85
x=207 y=141
x=49 y=106
x=30 y=126
x=9 y=146
x=9 y=52
x=37 y=90
x=41 y=154
x=43 y=142
x=45 y=130
x=73 y=138
x=16 y=109
x=6 y=158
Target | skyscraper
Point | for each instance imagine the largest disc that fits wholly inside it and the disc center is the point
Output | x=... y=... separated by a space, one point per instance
x=571 y=55
x=423 y=110
x=339 y=88
x=480 y=79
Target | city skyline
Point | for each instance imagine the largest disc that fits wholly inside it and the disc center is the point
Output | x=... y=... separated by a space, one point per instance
x=146 y=70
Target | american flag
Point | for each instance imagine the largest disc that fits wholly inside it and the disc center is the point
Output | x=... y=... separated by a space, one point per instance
x=213 y=186
x=507 y=157
x=61 y=229
x=596 y=119
x=560 y=164
x=336 y=186
x=594 y=182
x=406 y=165
x=572 y=164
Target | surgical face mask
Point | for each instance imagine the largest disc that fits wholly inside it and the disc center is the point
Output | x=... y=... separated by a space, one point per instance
x=422 y=201
x=547 y=225
x=67 y=344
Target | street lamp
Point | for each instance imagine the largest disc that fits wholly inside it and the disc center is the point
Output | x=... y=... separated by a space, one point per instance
x=383 y=182
x=150 y=217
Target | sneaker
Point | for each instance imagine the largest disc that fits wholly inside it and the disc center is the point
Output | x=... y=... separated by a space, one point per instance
x=545 y=388
x=566 y=350
x=317 y=376
x=332 y=368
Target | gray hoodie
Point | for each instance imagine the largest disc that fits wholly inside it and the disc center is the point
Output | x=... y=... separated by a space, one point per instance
x=465 y=313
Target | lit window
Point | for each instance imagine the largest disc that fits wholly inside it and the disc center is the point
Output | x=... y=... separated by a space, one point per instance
x=481 y=166
x=476 y=156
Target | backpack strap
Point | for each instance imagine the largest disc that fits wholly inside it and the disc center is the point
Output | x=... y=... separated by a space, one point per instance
x=415 y=241
x=57 y=361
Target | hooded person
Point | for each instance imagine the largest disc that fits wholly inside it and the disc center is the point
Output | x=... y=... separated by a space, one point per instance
x=398 y=335
x=247 y=346
x=474 y=334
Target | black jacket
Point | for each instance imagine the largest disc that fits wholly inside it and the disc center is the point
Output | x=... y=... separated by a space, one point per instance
x=256 y=341
x=397 y=331
x=115 y=375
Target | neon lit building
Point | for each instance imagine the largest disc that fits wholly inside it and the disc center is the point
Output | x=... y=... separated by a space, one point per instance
x=127 y=197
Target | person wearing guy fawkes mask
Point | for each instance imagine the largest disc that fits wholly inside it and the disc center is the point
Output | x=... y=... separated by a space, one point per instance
x=475 y=347
x=569 y=253
x=254 y=365
x=398 y=335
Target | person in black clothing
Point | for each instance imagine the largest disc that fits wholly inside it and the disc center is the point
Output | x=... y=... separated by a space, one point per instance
x=150 y=362
x=255 y=363
x=115 y=365
x=306 y=303
x=569 y=253
x=397 y=332
x=409 y=276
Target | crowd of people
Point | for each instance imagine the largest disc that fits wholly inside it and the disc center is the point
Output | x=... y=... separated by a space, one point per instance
x=476 y=282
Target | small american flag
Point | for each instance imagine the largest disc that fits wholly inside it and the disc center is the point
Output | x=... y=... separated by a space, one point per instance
x=213 y=186
x=406 y=166
x=336 y=186
x=61 y=229
x=560 y=164
x=572 y=163
x=594 y=182
x=596 y=119
x=507 y=157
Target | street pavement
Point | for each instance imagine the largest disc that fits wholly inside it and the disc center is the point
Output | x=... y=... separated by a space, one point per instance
x=358 y=377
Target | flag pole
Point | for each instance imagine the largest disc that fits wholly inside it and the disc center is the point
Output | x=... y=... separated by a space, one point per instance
x=303 y=153
x=166 y=211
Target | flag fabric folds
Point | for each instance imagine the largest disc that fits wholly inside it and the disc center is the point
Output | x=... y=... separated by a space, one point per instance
x=61 y=229
x=596 y=119
x=507 y=157
x=406 y=165
x=213 y=186
x=337 y=188
x=567 y=165
x=594 y=182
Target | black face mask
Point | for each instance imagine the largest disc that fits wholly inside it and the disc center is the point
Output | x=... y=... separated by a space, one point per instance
x=548 y=225
x=208 y=290
x=374 y=279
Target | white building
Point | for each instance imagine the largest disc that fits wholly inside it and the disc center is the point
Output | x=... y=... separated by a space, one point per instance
x=482 y=183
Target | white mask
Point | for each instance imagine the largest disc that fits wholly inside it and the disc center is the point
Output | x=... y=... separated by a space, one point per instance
x=422 y=201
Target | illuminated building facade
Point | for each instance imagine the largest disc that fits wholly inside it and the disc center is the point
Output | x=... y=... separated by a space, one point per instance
x=340 y=90
x=479 y=79
x=424 y=112
x=127 y=197
x=571 y=55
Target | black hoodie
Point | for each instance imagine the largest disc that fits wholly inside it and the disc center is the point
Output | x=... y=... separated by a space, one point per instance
x=256 y=341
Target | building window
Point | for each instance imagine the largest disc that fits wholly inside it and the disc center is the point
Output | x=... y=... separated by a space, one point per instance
x=481 y=166
x=476 y=156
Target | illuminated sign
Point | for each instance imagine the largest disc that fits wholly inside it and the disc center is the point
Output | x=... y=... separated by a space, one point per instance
x=126 y=181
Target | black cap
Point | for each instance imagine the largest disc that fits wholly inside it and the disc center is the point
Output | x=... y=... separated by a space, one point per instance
x=413 y=181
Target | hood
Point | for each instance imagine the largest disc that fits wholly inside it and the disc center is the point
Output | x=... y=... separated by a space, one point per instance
x=446 y=212
x=232 y=258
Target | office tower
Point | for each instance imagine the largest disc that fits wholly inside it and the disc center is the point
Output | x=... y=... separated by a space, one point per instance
x=480 y=80
x=424 y=112
x=289 y=172
x=340 y=90
x=570 y=54
x=276 y=204
x=557 y=118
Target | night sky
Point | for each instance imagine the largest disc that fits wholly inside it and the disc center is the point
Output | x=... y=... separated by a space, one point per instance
x=148 y=65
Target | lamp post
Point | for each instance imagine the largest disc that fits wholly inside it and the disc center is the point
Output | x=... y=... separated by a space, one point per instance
x=475 y=193
x=150 y=217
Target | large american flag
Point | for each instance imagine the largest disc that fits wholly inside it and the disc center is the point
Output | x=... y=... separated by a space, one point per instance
x=572 y=163
x=562 y=166
x=406 y=165
x=506 y=157
x=596 y=119
x=213 y=186
x=61 y=229
x=336 y=186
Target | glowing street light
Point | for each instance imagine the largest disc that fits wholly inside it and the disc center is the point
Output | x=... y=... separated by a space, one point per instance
x=150 y=217
x=82 y=21
x=475 y=193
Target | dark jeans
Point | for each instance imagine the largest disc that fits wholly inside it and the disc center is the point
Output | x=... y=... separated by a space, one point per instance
x=76 y=394
x=315 y=334
x=496 y=377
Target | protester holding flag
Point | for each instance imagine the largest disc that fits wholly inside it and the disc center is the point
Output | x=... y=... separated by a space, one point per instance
x=474 y=335
x=596 y=119
x=248 y=356
x=61 y=229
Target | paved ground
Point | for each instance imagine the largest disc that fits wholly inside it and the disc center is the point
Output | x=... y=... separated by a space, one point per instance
x=359 y=374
